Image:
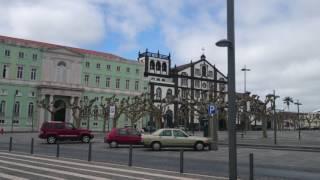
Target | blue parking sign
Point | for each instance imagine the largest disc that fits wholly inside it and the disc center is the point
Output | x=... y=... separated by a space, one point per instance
x=211 y=110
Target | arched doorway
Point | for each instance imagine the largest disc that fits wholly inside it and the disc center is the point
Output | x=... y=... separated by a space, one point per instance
x=60 y=111
x=168 y=119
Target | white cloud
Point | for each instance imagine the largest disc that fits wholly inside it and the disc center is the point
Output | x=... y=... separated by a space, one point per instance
x=276 y=39
x=128 y=18
x=64 y=22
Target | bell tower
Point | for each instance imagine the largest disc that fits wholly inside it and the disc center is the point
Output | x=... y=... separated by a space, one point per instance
x=156 y=64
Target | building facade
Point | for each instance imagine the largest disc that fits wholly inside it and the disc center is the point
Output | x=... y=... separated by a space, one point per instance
x=188 y=82
x=33 y=72
x=42 y=82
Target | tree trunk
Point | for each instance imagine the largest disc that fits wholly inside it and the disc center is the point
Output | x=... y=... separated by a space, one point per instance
x=264 y=127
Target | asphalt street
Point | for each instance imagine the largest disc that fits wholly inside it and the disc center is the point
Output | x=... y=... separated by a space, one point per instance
x=268 y=163
x=19 y=166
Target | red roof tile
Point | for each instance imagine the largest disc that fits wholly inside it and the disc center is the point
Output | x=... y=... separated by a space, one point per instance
x=37 y=44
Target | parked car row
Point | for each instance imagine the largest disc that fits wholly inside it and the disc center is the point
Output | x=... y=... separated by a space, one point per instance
x=168 y=137
x=159 y=139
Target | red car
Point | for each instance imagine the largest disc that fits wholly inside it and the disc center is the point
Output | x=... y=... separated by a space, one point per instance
x=122 y=136
x=53 y=130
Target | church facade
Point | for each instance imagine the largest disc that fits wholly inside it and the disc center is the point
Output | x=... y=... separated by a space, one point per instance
x=188 y=82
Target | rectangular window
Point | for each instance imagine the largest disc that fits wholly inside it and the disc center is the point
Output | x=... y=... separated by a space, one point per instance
x=197 y=72
x=30 y=110
x=2 y=108
x=107 y=82
x=2 y=121
x=127 y=84
x=20 y=72
x=137 y=71
x=33 y=73
x=197 y=83
x=117 y=83
x=87 y=64
x=108 y=67
x=7 y=52
x=35 y=56
x=128 y=69
x=5 y=71
x=118 y=68
x=86 y=80
x=16 y=108
x=184 y=81
x=21 y=55
x=98 y=66
x=15 y=121
x=184 y=93
x=136 y=85
x=97 y=81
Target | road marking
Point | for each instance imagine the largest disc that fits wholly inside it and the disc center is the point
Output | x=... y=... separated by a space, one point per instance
x=68 y=167
x=105 y=168
x=7 y=176
x=54 y=170
x=31 y=173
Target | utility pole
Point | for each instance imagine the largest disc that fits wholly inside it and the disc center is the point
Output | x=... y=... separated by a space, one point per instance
x=231 y=93
x=299 y=104
x=272 y=98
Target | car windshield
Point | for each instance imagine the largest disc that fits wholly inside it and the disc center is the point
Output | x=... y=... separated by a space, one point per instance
x=157 y=132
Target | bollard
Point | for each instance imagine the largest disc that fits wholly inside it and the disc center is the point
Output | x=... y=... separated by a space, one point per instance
x=31 y=148
x=181 y=160
x=89 y=153
x=251 y=166
x=10 y=144
x=58 y=149
x=130 y=155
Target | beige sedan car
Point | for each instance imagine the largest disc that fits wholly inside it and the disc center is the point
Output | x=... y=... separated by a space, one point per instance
x=173 y=138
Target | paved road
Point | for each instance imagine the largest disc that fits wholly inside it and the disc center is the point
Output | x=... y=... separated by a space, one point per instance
x=269 y=164
x=23 y=167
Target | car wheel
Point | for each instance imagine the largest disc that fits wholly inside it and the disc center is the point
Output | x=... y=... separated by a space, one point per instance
x=51 y=139
x=85 y=139
x=113 y=144
x=156 y=146
x=199 y=146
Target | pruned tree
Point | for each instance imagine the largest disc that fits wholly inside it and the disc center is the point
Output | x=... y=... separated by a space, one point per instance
x=157 y=110
x=105 y=103
x=136 y=108
x=48 y=105
x=82 y=109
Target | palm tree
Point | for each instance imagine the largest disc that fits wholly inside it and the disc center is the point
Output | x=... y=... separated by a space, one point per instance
x=287 y=100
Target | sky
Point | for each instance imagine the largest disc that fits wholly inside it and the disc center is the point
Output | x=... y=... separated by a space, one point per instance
x=276 y=39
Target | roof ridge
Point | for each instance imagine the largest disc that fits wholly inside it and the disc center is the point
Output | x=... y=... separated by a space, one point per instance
x=40 y=44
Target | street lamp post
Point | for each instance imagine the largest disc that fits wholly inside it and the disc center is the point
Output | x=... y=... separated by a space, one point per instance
x=230 y=43
x=245 y=98
x=299 y=104
x=245 y=69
